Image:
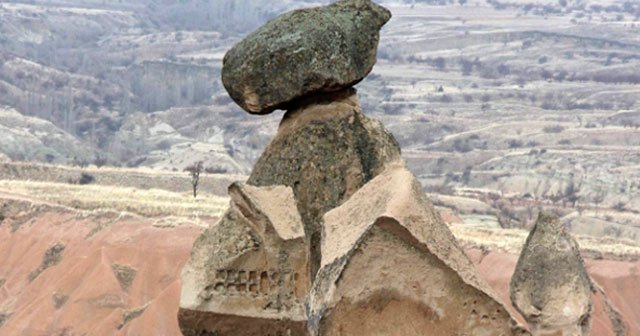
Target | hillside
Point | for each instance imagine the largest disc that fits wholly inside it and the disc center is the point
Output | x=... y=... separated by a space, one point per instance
x=502 y=109
x=532 y=100
x=114 y=265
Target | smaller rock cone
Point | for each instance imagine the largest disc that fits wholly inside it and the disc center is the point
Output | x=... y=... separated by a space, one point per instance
x=550 y=286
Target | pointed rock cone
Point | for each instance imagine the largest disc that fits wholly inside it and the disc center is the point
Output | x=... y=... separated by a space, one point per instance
x=391 y=267
x=550 y=286
x=247 y=274
x=325 y=149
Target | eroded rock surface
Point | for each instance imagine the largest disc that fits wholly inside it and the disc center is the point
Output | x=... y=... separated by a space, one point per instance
x=550 y=285
x=304 y=52
x=390 y=266
x=325 y=150
x=248 y=274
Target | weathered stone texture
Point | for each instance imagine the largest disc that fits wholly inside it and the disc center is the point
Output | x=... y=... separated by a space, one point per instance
x=248 y=270
x=390 y=266
x=304 y=52
x=325 y=150
x=550 y=286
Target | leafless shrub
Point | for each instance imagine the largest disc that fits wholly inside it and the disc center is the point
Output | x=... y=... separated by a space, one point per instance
x=194 y=171
x=553 y=129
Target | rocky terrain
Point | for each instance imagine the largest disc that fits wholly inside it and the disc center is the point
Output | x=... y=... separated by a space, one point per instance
x=531 y=100
x=333 y=235
x=124 y=277
x=502 y=110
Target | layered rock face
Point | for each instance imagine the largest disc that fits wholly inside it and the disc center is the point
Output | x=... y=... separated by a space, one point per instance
x=387 y=256
x=304 y=52
x=325 y=150
x=331 y=235
x=250 y=267
x=550 y=285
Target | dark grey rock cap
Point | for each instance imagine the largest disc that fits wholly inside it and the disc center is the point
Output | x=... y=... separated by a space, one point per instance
x=303 y=52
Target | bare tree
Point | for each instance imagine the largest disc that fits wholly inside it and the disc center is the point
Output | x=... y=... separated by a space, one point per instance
x=466 y=175
x=571 y=192
x=195 y=170
x=599 y=197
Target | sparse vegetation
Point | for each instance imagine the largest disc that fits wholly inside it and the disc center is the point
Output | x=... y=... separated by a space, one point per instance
x=620 y=206
x=598 y=198
x=446 y=99
x=83 y=179
x=553 y=129
x=125 y=275
x=59 y=300
x=3 y=318
x=462 y=146
x=150 y=203
x=466 y=175
x=564 y=142
x=571 y=193
x=86 y=179
x=215 y=170
x=51 y=257
x=515 y=143
x=194 y=171
x=99 y=162
x=132 y=314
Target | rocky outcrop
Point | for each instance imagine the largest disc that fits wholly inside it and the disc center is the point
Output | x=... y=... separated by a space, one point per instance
x=325 y=150
x=323 y=153
x=550 y=285
x=331 y=235
x=386 y=254
x=248 y=274
x=304 y=52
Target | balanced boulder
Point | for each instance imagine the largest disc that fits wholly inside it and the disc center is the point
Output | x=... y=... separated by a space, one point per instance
x=550 y=286
x=331 y=234
x=304 y=52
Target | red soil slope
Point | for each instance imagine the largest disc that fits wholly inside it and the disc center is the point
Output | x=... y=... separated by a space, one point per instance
x=619 y=279
x=89 y=298
x=82 y=294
